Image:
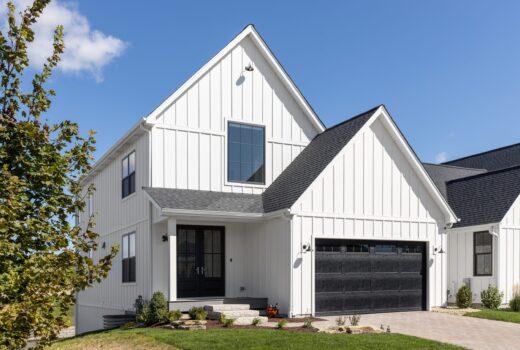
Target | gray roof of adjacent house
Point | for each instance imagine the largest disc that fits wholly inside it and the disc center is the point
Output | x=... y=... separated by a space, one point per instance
x=170 y=198
x=284 y=191
x=301 y=172
x=441 y=174
x=484 y=198
x=500 y=158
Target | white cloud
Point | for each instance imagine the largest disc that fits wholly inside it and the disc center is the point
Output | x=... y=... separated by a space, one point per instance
x=86 y=49
x=441 y=157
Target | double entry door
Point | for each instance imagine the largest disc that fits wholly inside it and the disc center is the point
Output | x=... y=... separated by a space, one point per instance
x=200 y=261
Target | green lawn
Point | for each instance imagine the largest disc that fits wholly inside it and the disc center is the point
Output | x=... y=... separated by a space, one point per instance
x=506 y=315
x=159 y=339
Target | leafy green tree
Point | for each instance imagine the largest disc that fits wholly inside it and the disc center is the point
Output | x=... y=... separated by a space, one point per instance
x=43 y=257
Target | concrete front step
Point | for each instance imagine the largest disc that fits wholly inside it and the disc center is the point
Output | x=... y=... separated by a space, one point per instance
x=226 y=307
x=246 y=321
x=234 y=314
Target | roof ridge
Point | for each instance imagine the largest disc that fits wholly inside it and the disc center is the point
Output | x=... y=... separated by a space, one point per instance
x=453 y=166
x=486 y=173
x=482 y=153
x=373 y=109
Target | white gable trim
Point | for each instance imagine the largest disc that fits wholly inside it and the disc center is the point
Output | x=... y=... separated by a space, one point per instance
x=268 y=55
x=410 y=155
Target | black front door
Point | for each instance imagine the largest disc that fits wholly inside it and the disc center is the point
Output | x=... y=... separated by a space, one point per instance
x=200 y=261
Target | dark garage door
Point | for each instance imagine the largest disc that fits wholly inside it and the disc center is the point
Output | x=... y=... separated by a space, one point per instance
x=354 y=276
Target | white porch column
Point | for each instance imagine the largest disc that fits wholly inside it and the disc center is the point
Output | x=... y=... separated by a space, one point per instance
x=172 y=259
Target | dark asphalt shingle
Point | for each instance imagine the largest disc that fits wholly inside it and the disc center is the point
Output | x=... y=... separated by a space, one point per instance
x=500 y=158
x=484 y=198
x=441 y=174
x=298 y=176
x=205 y=200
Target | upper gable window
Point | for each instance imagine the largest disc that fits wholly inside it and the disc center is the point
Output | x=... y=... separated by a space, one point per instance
x=246 y=153
x=128 y=182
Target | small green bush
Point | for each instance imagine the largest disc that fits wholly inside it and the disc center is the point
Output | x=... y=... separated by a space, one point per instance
x=198 y=313
x=340 y=321
x=464 y=297
x=174 y=316
x=142 y=310
x=158 y=309
x=514 y=303
x=307 y=323
x=222 y=319
x=354 y=320
x=491 y=297
x=281 y=324
x=228 y=322
x=256 y=321
x=128 y=325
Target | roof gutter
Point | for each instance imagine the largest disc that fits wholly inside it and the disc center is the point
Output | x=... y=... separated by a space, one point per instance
x=484 y=227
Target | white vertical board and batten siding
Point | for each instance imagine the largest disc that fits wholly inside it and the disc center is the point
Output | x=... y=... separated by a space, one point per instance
x=509 y=258
x=461 y=263
x=369 y=191
x=115 y=217
x=189 y=136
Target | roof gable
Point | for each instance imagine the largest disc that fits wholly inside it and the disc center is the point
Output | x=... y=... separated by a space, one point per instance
x=500 y=158
x=441 y=174
x=247 y=32
x=484 y=198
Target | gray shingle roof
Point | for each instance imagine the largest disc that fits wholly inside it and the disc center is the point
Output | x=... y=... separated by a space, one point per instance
x=500 y=158
x=205 y=200
x=301 y=172
x=484 y=198
x=441 y=174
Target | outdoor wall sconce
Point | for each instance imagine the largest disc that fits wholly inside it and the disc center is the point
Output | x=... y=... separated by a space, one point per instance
x=103 y=245
x=306 y=247
x=249 y=68
x=164 y=238
x=437 y=251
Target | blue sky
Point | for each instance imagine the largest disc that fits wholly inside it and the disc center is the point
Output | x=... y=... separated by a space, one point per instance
x=448 y=71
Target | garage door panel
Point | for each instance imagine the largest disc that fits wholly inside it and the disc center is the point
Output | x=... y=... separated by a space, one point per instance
x=355 y=263
x=369 y=276
x=329 y=262
x=329 y=302
x=330 y=283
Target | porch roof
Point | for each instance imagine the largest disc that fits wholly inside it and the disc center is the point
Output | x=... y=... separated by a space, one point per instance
x=177 y=199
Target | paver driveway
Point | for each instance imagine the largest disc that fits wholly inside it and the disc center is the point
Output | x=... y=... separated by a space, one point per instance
x=469 y=332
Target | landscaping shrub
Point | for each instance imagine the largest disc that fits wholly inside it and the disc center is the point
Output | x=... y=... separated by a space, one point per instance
x=142 y=310
x=174 y=316
x=464 y=297
x=281 y=324
x=256 y=321
x=198 y=313
x=128 y=325
x=354 y=320
x=222 y=319
x=514 y=303
x=228 y=322
x=158 y=309
x=491 y=298
x=340 y=321
x=307 y=323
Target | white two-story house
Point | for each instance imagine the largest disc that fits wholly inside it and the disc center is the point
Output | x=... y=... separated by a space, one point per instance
x=233 y=189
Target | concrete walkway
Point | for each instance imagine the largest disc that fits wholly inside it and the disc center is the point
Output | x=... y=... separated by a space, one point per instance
x=469 y=332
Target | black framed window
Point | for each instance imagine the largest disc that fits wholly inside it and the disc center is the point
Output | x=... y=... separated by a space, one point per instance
x=129 y=258
x=128 y=171
x=246 y=153
x=483 y=253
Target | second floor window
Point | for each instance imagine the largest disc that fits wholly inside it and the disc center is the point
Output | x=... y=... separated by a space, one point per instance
x=128 y=167
x=246 y=153
x=129 y=258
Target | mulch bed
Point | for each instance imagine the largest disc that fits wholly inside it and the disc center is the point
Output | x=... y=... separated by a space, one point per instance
x=212 y=324
x=294 y=320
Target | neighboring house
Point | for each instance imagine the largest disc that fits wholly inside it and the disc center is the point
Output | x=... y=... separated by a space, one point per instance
x=484 y=247
x=233 y=190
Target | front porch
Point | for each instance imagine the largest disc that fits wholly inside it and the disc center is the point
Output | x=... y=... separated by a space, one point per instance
x=205 y=261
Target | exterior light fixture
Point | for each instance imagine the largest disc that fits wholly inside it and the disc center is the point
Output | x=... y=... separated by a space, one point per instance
x=249 y=68
x=164 y=238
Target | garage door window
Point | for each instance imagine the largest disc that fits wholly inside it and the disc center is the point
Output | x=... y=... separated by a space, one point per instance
x=483 y=250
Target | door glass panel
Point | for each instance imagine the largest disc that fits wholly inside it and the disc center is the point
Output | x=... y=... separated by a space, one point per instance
x=190 y=238
x=386 y=248
x=216 y=265
x=186 y=266
x=181 y=241
x=208 y=239
x=208 y=265
x=216 y=241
